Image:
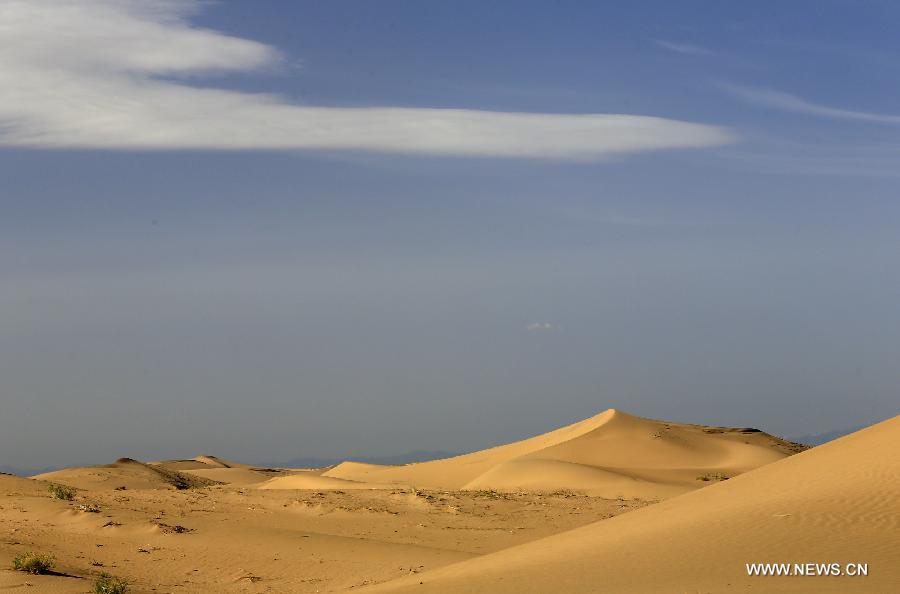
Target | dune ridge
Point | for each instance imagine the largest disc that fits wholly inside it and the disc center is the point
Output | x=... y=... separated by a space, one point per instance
x=223 y=471
x=839 y=502
x=127 y=473
x=611 y=454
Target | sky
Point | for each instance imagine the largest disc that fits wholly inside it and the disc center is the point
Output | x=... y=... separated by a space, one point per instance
x=268 y=230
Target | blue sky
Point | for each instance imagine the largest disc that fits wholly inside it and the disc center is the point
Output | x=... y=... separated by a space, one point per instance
x=210 y=242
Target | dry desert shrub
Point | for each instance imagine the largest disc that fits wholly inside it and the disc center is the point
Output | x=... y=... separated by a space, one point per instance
x=35 y=563
x=110 y=584
x=61 y=492
x=713 y=476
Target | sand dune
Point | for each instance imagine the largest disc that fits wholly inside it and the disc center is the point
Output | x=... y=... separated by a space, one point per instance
x=839 y=502
x=305 y=480
x=127 y=473
x=204 y=462
x=506 y=519
x=612 y=454
x=182 y=465
x=215 y=461
x=219 y=470
x=12 y=484
x=230 y=476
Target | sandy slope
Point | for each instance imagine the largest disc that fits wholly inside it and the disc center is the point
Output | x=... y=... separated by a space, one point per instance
x=220 y=470
x=126 y=473
x=308 y=480
x=199 y=463
x=839 y=502
x=230 y=476
x=11 y=485
x=612 y=454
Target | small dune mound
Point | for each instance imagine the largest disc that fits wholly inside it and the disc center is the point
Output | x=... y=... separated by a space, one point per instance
x=127 y=473
x=305 y=480
x=219 y=470
x=216 y=462
x=181 y=465
x=232 y=476
x=355 y=468
x=198 y=463
x=612 y=454
x=13 y=484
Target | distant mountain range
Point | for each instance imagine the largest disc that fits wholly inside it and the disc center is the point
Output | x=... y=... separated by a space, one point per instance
x=407 y=458
x=821 y=438
x=26 y=471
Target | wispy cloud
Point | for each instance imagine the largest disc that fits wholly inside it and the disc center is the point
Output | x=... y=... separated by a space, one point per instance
x=816 y=158
x=793 y=103
x=542 y=327
x=683 y=48
x=110 y=74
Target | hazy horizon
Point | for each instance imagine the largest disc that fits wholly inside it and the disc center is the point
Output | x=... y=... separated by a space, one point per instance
x=394 y=458
x=274 y=230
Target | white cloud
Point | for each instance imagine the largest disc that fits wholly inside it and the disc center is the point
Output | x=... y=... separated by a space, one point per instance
x=788 y=102
x=683 y=48
x=542 y=327
x=90 y=74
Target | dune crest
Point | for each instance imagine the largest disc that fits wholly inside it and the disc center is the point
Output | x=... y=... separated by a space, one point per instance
x=313 y=480
x=612 y=454
x=217 y=469
x=127 y=473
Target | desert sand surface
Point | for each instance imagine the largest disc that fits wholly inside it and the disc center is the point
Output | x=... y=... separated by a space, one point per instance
x=207 y=524
x=227 y=538
x=839 y=502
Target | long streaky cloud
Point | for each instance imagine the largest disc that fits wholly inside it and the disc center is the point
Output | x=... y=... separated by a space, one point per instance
x=788 y=102
x=112 y=74
x=683 y=48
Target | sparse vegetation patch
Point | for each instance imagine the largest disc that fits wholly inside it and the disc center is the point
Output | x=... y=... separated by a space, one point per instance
x=565 y=493
x=491 y=494
x=62 y=492
x=713 y=476
x=177 y=529
x=35 y=563
x=110 y=584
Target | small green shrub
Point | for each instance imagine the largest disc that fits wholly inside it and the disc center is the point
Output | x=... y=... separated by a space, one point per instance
x=35 y=563
x=110 y=584
x=62 y=492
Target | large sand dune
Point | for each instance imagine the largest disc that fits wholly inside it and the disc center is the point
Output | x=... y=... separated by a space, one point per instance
x=839 y=502
x=612 y=454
